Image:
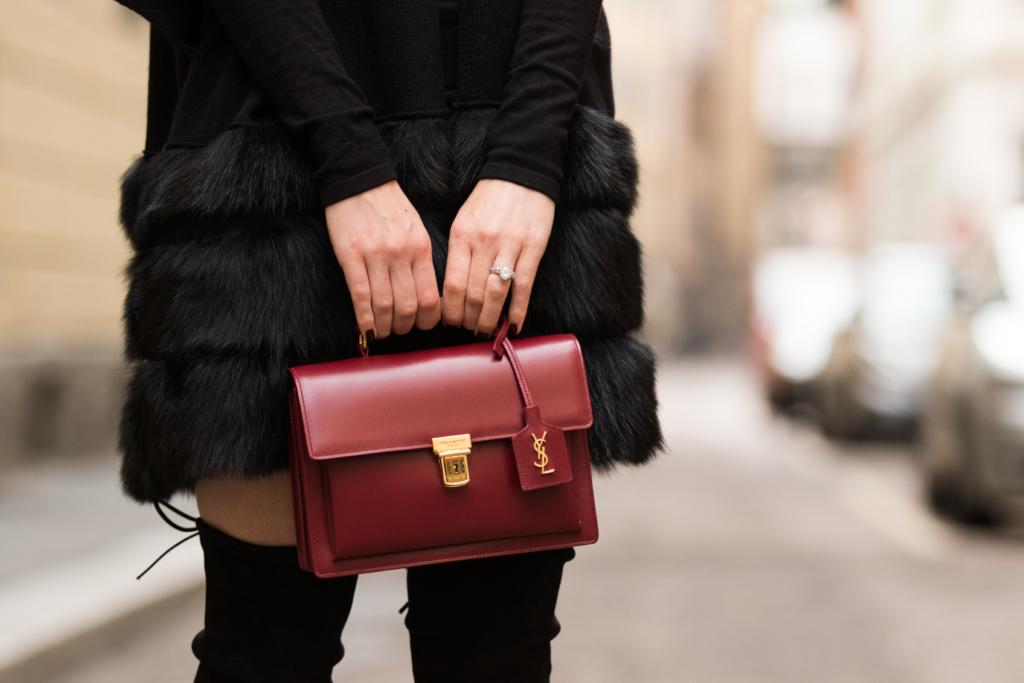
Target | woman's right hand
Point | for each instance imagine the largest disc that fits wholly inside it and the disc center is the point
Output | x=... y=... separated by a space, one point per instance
x=384 y=250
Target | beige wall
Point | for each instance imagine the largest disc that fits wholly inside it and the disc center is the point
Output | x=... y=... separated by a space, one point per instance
x=683 y=80
x=652 y=74
x=727 y=177
x=72 y=117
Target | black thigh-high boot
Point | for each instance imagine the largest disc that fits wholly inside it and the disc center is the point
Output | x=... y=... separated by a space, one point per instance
x=267 y=620
x=485 y=621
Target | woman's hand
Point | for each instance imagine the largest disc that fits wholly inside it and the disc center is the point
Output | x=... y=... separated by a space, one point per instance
x=501 y=224
x=384 y=250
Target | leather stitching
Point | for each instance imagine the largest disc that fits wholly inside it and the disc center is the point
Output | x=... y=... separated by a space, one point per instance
x=426 y=445
x=325 y=485
x=301 y=534
x=456 y=556
x=583 y=382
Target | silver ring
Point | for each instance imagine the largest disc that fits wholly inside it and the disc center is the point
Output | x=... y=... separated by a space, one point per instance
x=505 y=272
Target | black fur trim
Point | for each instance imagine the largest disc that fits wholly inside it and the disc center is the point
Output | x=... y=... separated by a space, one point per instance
x=589 y=281
x=600 y=168
x=217 y=416
x=469 y=145
x=260 y=170
x=620 y=375
x=418 y=148
x=214 y=321
x=250 y=170
x=226 y=415
x=277 y=289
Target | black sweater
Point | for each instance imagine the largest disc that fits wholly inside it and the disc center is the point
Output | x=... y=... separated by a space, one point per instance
x=333 y=69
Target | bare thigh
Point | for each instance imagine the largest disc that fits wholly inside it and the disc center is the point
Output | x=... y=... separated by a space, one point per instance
x=257 y=511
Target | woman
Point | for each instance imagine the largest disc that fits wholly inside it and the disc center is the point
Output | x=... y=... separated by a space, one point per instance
x=314 y=170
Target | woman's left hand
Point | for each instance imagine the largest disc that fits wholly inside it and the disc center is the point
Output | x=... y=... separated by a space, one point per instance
x=501 y=224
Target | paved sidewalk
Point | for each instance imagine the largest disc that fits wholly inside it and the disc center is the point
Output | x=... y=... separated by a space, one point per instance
x=754 y=552
x=72 y=546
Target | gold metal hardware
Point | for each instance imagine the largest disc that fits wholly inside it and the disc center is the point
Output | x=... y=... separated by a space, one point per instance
x=451 y=454
x=542 y=456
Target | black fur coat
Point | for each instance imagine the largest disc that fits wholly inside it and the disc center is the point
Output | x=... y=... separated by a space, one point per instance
x=216 y=315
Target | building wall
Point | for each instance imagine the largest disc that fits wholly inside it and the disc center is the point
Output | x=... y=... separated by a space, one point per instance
x=683 y=76
x=727 y=176
x=72 y=116
x=807 y=58
x=652 y=73
x=943 y=127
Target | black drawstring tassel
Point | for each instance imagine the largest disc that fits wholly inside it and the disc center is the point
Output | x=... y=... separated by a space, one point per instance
x=173 y=525
x=178 y=512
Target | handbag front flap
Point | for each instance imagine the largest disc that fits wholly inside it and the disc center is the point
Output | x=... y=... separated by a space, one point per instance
x=403 y=401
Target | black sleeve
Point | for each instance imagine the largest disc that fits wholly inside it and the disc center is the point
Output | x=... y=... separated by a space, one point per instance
x=163 y=91
x=291 y=52
x=526 y=142
x=179 y=22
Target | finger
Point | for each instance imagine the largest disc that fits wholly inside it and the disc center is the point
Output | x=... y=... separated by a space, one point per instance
x=456 y=281
x=358 y=283
x=495 y=294
x=381 y=297
x=403 y=289
x=425 y=280
x=476 y=290
x=522 y=286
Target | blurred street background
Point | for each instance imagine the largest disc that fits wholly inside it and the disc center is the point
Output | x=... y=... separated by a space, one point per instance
x=832 y=212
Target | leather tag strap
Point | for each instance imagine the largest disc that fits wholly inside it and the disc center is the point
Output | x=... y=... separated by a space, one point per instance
x=501 y=346
x=500 y=334
x=542 y=456
x=518 y=369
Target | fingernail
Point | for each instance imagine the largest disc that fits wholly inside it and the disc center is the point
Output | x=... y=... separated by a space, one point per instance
x=370 y=336
x=480 y=336
x=443 y=323
x=513 y=329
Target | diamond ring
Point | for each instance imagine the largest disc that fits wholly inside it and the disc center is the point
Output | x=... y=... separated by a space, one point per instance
x=505 y=272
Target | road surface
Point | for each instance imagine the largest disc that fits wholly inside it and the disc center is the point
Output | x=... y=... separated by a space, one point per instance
x=754 y=551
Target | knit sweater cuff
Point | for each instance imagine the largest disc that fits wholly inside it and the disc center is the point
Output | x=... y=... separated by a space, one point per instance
x=522 y=176
x=337 y=190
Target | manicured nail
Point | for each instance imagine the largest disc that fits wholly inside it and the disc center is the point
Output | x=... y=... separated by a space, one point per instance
x=513 y=330
x=370 y=336
x=480 y=336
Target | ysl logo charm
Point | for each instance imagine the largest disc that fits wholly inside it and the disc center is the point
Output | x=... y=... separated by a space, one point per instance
x=542 y=456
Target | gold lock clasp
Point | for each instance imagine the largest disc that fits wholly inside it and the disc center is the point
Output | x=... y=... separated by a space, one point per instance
x=452 y=452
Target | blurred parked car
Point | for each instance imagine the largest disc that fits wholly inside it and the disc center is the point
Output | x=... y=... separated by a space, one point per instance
x=803 y=297
x=974 y=425
x=880 y=364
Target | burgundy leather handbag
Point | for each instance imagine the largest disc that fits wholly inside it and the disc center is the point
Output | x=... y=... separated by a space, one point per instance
x=434 y=456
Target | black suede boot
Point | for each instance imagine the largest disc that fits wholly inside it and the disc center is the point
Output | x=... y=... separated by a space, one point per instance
x=267 y=620
x=485 y=621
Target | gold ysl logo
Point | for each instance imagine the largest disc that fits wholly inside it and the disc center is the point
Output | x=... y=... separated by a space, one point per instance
x=542 y=456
